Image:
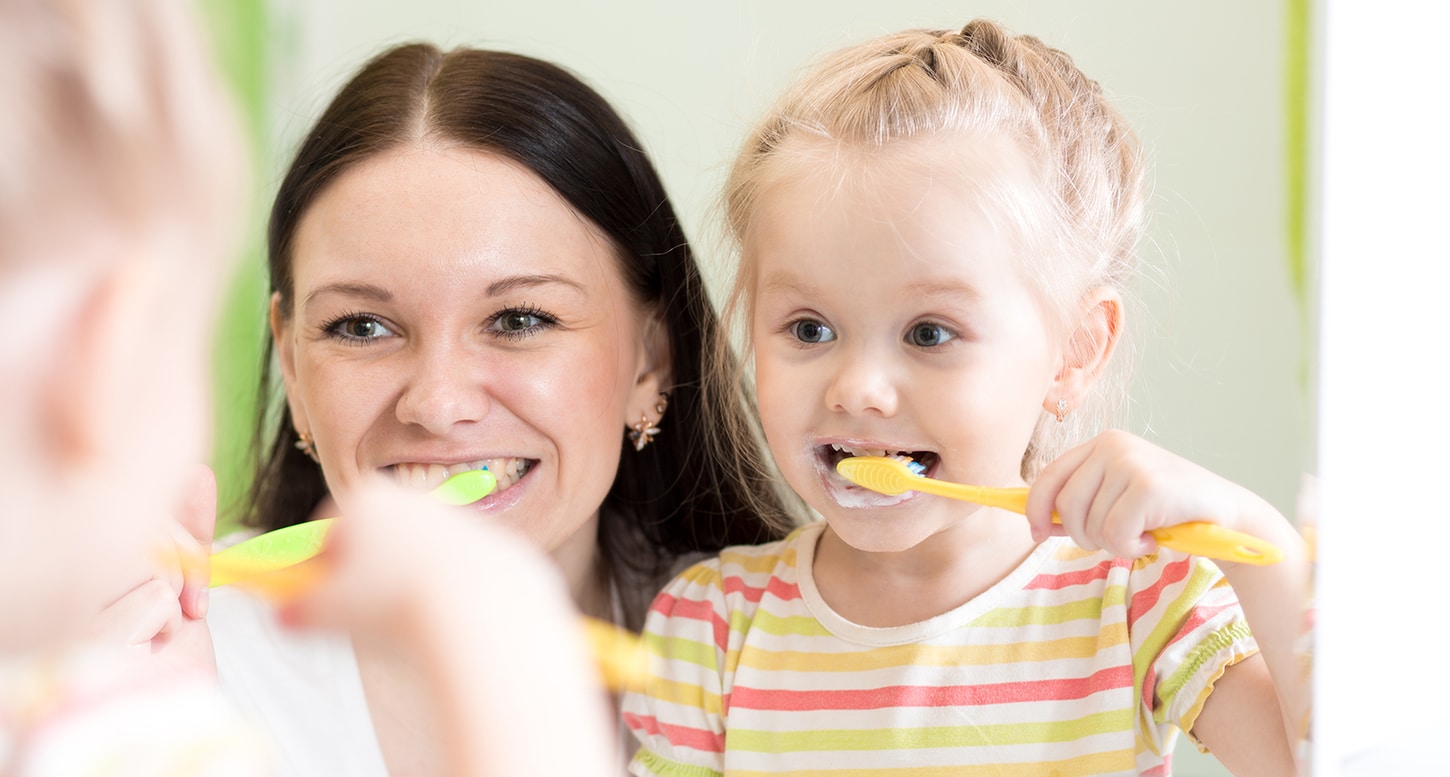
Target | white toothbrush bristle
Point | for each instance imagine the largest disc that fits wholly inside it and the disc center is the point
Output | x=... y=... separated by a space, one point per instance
x=916 y=467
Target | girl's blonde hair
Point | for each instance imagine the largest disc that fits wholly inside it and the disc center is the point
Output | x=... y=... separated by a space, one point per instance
x=1078 y=233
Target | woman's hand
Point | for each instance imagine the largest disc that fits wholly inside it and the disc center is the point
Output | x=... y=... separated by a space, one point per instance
x=1112 y=490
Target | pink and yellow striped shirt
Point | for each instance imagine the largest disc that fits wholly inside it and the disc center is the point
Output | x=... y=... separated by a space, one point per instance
x=1074 y=664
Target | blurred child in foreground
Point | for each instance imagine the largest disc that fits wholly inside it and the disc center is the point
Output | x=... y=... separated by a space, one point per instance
x=120 y=191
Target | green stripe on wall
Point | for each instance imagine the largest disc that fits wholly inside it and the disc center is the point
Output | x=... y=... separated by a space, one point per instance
x=1296 y=173
x=239 y=38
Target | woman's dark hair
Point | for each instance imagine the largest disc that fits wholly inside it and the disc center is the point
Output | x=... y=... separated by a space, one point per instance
x=681 y=495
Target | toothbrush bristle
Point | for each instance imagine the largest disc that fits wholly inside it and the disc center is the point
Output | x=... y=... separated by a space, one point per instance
x=916 y=467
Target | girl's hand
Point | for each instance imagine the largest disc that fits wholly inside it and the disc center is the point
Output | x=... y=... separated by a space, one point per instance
x=1113 y=489
x=164 y=614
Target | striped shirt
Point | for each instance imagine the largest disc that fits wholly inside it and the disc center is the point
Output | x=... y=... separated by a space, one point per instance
x=1075 y=663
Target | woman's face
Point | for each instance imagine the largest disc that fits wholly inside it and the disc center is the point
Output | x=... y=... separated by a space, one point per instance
x=450 y=309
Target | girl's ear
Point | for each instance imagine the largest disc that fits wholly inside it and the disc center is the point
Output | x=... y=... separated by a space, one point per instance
x=1090 y=346
x=101 y=348
x=653 y=373
x=281 y=326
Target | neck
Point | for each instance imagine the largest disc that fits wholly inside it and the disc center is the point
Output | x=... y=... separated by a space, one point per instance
x=888 y=589
x=585 y=574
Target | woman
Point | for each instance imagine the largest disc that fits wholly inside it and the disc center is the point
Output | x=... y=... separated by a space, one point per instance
x=473 y=262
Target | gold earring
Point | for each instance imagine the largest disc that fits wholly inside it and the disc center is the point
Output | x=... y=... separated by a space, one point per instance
x=304 y=443
x=1061 y=410
x=642 y=432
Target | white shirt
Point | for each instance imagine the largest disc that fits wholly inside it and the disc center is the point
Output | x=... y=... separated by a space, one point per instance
x=302 y=690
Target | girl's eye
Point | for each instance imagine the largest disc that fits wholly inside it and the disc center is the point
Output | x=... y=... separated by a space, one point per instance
x=926 y=335
x=808 y=331
x=521 y=322
x=358 y=328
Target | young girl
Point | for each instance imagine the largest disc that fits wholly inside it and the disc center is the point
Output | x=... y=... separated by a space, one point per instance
x=936 y=233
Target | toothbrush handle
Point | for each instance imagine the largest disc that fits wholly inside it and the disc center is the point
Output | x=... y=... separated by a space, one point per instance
x=1200 y=538
x=1210 y=540
x=1014 y=499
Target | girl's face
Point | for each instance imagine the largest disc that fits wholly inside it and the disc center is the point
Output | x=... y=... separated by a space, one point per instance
x=451 y=310
x=895 y=318
x=105 y=412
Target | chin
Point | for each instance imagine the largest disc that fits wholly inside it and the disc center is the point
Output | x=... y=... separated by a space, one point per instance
x=872 y=532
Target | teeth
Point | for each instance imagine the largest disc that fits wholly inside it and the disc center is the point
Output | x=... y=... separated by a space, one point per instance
x=426 y=477
x=846 y=449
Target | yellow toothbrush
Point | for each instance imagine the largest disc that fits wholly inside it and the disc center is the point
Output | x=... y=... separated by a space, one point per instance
x=892 y=476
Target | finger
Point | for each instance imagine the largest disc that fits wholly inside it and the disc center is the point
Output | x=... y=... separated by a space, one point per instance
x=1123 y=529
x=198 y=519
x=1043 y=496
x=1104 y=517
x=1075 y=499
x=139 y=616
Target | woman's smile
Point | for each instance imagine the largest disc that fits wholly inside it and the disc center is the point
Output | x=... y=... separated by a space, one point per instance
x=427 y=476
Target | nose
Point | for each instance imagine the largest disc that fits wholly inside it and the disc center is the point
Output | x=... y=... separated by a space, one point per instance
x=863 y=384
x=445 y=387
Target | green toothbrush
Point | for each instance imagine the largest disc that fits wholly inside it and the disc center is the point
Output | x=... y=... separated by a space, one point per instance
x=293 y=545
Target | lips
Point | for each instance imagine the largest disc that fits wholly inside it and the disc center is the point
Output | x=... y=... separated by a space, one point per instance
x=426 y=476
x=851 y=496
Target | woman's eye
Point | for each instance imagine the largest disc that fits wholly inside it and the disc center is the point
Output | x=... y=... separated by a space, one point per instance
x=517 y=321
x=929 y=335
x=359 y=328
x=521 y=322
x=808 y=331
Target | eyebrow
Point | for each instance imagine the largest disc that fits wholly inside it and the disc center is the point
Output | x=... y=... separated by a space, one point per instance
x=785 y=282
x=530 y=281
x=380 y=294
x=345 y=289
x=946 y=289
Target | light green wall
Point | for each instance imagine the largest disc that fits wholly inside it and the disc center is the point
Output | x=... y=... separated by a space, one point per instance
x=241 y=41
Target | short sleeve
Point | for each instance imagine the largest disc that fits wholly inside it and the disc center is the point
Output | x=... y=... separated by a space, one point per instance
x=678 y=716
x=1186 y=627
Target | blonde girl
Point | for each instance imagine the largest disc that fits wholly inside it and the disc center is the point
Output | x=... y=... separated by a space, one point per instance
x=937 y=229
